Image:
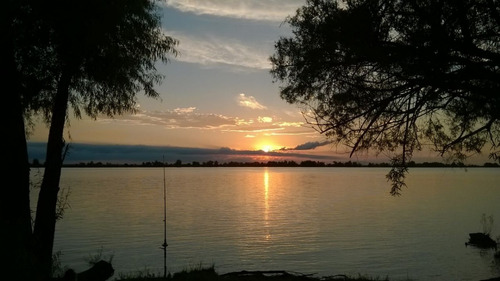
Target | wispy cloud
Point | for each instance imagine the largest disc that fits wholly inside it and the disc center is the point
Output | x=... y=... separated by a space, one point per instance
x=291 y=124
x=191 y=118
x=185 y=110
x=253 y=129
x=250 y=102
x=293 y=133
x=267 y=10
x=210 y=51
x=178 y=118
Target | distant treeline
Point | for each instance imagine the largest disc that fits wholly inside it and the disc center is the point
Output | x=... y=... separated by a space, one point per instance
x=307 y=163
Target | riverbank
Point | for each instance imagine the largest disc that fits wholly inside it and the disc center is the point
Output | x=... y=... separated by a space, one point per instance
x=209 y=274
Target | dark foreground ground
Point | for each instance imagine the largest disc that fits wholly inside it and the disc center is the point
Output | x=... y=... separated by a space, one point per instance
x=209 y=274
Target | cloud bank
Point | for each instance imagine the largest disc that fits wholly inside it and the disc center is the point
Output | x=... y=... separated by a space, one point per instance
x=309 y=145
x=136 y=154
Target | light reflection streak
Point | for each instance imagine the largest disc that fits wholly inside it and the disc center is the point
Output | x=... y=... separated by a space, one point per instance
x=266 y=204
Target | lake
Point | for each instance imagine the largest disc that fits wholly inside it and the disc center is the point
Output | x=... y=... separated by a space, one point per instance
x=321 y=221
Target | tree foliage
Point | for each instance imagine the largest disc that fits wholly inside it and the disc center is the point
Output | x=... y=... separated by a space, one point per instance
x=395 y=76
x=109 y=49
x=95 y=56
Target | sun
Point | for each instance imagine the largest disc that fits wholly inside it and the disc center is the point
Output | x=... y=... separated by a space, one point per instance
x=266 y=147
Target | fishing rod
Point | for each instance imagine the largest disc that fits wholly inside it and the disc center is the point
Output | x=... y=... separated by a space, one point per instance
x=164 y=245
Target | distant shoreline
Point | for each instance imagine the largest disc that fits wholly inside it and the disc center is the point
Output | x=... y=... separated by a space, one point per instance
x=303 y=164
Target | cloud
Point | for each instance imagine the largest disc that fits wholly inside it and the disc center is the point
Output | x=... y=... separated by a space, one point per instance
x=292 y=133
x=308 y=145
x=210 y=51
x=184 y=110
x=177 y=118
x=253 y=130
x=267 y=10
x=250 y=102
x=133 y=154
x=291 y=124
x=265 y=119
x=189 y=118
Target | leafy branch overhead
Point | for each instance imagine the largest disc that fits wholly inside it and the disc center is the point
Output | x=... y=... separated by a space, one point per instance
x=396 y=76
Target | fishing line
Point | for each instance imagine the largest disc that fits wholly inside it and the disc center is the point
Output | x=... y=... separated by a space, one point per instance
x=164 y=245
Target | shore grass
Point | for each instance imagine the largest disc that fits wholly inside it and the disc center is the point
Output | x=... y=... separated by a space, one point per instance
x=209 y=274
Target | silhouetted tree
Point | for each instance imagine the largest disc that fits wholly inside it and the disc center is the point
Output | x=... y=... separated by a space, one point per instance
x=394 y=75
x=17 y=29
x=94 y=56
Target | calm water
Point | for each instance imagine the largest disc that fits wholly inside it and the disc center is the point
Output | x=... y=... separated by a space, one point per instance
x=321 y=221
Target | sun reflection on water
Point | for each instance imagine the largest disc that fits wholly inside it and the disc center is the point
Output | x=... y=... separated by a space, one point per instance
x=266 y=204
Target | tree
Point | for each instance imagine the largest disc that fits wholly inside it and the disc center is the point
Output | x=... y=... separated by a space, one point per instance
x=393 y=76
x=94 y=56
x=15 y=215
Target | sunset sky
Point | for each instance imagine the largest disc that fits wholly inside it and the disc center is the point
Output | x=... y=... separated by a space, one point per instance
x=217 y=101
x=218 y=96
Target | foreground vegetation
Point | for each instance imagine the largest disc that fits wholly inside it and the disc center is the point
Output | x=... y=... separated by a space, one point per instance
x=197 y=273
x=209 y=274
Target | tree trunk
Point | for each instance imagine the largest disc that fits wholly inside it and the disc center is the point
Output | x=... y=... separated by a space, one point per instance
x=45 y=222
x=15 y=214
